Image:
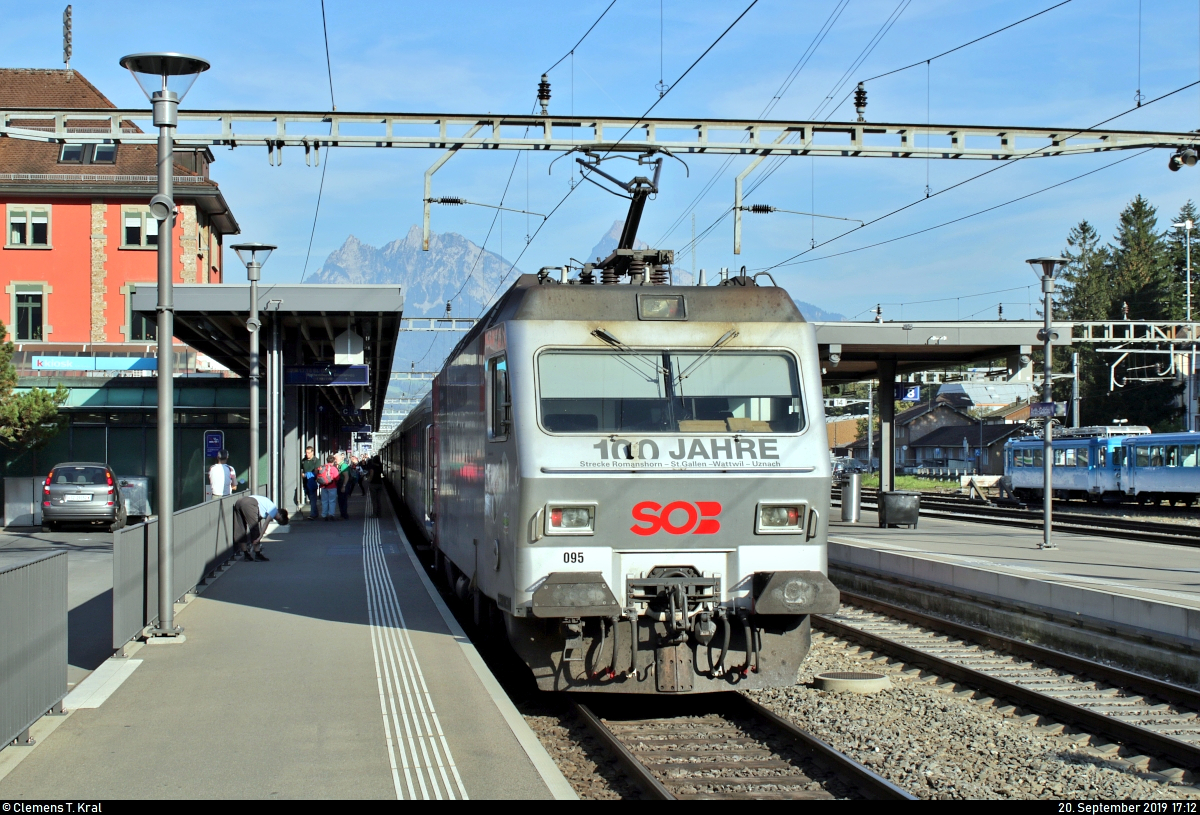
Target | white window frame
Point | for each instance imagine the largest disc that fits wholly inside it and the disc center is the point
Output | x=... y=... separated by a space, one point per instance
x=29 y=210
x=144 y=214
x=29 y=287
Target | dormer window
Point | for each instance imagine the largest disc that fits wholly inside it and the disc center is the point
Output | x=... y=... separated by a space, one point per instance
x=88 y=154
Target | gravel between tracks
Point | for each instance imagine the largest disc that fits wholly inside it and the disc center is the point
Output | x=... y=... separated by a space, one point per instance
x=939 y=745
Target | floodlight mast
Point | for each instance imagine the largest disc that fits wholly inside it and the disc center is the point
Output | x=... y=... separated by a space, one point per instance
x=154 y=73
x=1046 y=269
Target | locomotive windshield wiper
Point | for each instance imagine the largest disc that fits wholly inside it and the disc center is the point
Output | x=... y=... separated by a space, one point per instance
x=726 y=337
x=601 y=334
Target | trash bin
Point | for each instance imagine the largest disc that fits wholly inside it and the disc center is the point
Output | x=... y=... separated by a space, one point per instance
x=852 y=497
x=899 y=508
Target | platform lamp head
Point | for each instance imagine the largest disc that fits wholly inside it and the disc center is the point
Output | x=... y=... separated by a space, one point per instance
x=1048 y=267
x=165 y=78
x=253 y=256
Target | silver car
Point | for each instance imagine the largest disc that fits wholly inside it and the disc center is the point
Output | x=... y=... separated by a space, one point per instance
x=82 y=492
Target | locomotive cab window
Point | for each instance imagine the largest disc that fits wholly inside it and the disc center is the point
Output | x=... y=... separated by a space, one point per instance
x=500 y=396
x=659 y=391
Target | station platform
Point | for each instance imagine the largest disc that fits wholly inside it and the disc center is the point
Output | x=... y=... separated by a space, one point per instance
x=1129 y=602
x=1151 y=571
x=332 y=671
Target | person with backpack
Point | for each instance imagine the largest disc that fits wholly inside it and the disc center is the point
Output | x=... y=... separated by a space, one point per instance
x=328 y=479
x=345 y=485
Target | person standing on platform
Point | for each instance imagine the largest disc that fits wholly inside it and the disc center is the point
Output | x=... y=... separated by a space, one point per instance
x=374 y=480
x=344 y=486
x=312 y=491
x=327 y=480
x=221 y=477
x=251 y=515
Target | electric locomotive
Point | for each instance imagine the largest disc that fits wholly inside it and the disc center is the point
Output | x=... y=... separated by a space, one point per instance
x=633 y=478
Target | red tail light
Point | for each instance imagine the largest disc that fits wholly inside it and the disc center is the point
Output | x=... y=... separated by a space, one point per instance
x=46 y=486
x=556 y=516
x=108 y=476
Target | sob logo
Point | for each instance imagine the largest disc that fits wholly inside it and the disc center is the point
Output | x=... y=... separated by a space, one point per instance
x=677 y=518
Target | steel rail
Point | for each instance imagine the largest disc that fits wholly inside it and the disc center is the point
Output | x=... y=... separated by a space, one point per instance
x=640 y=773
x=870 y=782
x=1167 y=691
x=751 y=137
x=1184 y=754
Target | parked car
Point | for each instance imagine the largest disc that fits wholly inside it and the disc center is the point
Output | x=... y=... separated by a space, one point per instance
x=82 y=492
x=842 y=466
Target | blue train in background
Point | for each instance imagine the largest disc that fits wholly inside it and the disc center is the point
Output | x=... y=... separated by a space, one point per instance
x=1109 y=465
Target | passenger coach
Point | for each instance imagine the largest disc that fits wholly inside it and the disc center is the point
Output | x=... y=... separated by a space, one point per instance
x=634 y=479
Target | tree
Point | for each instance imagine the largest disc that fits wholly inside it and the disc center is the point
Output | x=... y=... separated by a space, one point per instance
x=1139 y=271
x=27 y=420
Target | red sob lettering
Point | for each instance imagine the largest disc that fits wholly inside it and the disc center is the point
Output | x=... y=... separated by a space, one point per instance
x=647 y=512
x=677 y=518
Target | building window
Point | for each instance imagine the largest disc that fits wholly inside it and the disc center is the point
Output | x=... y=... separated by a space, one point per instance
x=141 y=328
x=140 y=229
x=30 y=313
x=29 y=226
x=88 y=154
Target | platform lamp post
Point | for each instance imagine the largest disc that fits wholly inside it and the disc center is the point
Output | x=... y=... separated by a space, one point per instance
x=1047 y=269
x=165 y=78
x=253 y=255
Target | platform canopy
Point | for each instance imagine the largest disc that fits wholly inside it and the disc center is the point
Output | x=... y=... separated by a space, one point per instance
x=212 y=319
x=853 y=351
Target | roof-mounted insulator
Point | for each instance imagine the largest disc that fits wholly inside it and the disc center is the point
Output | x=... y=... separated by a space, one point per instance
x=860 y=101
x=761 y=209
x=544 y=93
x=454 y=202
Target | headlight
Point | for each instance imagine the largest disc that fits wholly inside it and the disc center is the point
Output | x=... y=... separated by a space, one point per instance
x=780 y=518
x=570 y=519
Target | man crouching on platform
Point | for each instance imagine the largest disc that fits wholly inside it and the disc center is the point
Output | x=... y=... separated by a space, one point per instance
x=251 y=514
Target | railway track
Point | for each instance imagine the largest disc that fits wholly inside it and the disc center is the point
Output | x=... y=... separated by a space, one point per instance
x=961 y=508
x=1158 y=718
x=733 y=750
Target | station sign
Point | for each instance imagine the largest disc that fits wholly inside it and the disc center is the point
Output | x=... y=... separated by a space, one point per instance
x=908 y=393
x=357 y=428
x=214 y=442
x=41 y=363
x=327 y=375
x=1047 y=410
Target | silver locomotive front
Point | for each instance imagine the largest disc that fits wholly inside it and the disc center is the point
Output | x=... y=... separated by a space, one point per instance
x=656 y=484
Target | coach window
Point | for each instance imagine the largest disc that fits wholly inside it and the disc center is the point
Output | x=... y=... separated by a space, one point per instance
x=1188 y=457
x=1081 y=458
x=501 y=399
x=1037 y=458
x=1060 y=457
x=1101 y=455
x=1172 y=455
x=1069 y=458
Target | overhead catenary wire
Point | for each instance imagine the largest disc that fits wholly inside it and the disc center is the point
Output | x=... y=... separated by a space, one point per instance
x=777 y=162
x=321 y=187
x=624 y=135
x=794 y=262
x=995 y=169
x=784 y=87
x=581 y=39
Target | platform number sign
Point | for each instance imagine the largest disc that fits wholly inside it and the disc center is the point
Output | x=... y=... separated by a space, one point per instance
x=908 y=393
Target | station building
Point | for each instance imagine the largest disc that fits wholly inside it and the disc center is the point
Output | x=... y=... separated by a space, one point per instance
x=78 y=240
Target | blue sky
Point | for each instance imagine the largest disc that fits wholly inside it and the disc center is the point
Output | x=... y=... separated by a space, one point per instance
x=1073 y=66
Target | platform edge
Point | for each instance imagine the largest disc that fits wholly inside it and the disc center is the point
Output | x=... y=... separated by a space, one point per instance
x=555 y=781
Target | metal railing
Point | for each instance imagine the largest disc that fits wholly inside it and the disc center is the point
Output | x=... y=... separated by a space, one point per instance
x=203 y=542
x=33 y=643
x=101 y=178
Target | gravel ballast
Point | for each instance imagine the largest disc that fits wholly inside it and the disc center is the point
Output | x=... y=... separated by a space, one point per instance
x=938 y=742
